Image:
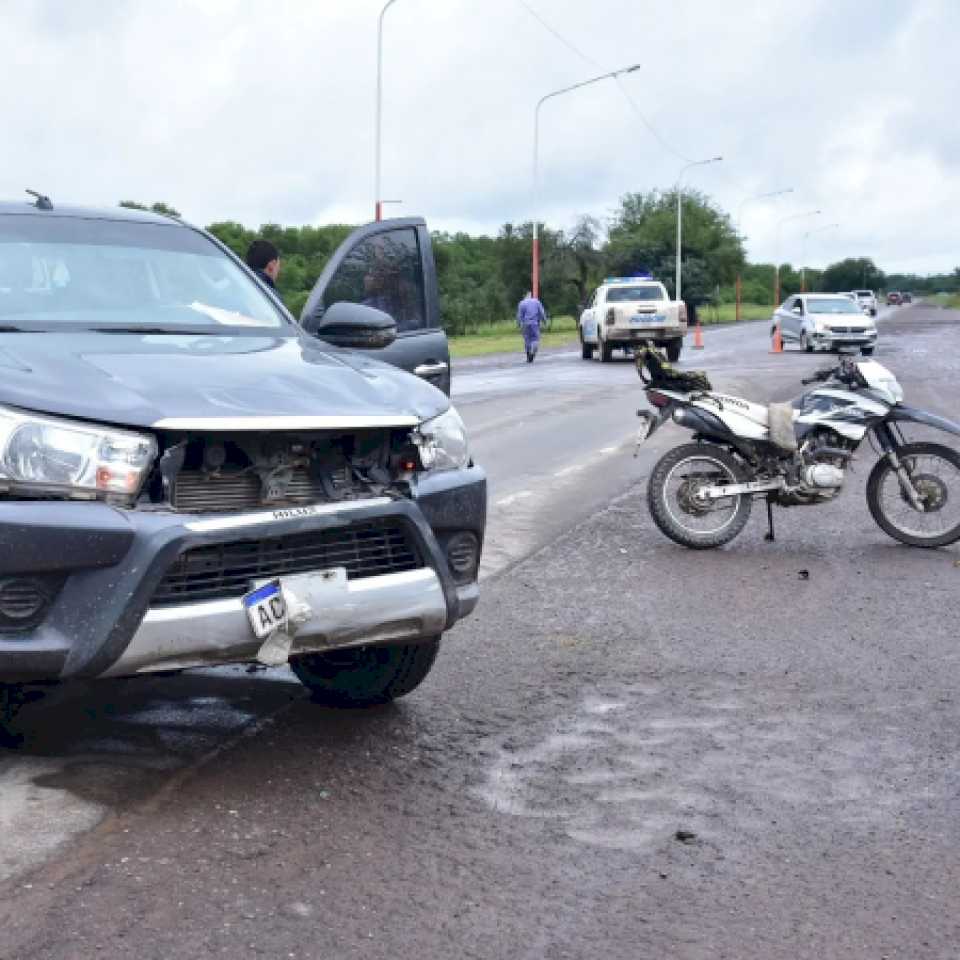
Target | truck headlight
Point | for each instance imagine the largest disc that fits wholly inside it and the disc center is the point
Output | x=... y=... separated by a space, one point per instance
x=42 y=454
x=443 y=442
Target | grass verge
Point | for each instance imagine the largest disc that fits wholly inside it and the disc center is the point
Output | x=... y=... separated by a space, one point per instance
x=950 y=300
x=727 y=313
x=505 y=337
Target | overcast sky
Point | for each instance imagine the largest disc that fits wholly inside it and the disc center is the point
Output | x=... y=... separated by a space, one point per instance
x=264 y=111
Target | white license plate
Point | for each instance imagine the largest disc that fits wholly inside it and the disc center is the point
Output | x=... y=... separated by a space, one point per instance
x=266 y=609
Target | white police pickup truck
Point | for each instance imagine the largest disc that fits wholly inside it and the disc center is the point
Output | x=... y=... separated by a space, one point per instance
x=626 y=310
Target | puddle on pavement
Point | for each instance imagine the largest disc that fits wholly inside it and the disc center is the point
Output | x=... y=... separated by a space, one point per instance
x=627 y=771
x=85 y=750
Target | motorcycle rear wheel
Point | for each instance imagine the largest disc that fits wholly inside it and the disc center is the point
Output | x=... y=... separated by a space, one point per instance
x=679 y=514
x=894 y=513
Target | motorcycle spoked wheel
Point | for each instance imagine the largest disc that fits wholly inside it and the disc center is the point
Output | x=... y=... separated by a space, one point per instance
x=935 y=470
x=677 y=510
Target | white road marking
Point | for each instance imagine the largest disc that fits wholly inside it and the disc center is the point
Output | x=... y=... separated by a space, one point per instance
x=522 y=495
x=563 y=472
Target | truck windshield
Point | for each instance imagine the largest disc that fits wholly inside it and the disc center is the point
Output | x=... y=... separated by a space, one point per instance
x=629 y=294
x=77 y=272
x=832 y=306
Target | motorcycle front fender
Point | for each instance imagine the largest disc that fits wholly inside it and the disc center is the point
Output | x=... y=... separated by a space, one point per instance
x=904 y=414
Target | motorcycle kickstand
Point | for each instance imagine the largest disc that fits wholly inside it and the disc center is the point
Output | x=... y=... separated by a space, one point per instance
x=770 y=536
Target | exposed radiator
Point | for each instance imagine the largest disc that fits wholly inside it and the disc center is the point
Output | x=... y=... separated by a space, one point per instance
x=197 y=492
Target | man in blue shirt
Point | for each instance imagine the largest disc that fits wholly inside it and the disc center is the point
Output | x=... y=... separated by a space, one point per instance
x=530 y=317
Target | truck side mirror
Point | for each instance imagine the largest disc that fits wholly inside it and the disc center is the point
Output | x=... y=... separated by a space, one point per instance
x=355 y=326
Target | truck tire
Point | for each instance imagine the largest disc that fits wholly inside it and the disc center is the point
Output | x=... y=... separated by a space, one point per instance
x=364 y=676
x=604 y=350
x=673 y=350
x=586 y=349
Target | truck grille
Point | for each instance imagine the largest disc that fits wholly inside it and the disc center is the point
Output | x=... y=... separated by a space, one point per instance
x=848 y=329
x=224 y=570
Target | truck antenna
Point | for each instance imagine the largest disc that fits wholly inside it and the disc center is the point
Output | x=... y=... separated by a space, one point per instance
x=43 y=202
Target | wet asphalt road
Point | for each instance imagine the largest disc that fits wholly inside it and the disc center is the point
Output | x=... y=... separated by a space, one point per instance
x=611 y=690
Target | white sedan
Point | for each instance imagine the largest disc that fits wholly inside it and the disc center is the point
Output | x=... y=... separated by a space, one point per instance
x=825 y=321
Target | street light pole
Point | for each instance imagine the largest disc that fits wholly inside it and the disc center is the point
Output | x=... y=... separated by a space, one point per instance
x=535 y=266
x=776 y=246
x=759 y=196
x=803 y=253
x=746 y=200
x=695 y=163
x=378 y=204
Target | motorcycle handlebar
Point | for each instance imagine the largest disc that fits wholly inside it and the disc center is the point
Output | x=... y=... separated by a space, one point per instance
x=820 y=376
x=846 y=372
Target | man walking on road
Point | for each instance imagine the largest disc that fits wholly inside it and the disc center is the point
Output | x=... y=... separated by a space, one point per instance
x=530 y=317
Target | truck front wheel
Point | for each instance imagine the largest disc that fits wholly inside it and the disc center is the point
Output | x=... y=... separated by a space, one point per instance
x=586 y=349
x=364 y=676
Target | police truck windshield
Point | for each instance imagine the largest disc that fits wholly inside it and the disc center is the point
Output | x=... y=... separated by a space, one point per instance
x=630 y=294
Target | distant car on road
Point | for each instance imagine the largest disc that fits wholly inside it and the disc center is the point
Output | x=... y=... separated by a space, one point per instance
x=825 y=321
x=626 y=310
x=894 y=299
x=906 y=297
x=868 y=301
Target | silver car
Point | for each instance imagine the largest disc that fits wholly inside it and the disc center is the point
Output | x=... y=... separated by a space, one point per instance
x=825 y=321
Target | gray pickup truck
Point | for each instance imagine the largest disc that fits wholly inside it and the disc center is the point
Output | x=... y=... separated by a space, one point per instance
x=190 y=477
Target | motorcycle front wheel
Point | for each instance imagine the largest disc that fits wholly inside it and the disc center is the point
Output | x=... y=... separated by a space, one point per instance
x=935 y=474
x=676 y=501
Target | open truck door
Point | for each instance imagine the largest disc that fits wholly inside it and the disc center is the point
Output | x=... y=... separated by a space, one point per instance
x=389 y=265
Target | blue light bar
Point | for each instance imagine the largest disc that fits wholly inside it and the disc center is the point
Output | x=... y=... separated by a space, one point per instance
x=633 y=279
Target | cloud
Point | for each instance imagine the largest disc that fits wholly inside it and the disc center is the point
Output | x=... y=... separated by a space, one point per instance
x=264 y=112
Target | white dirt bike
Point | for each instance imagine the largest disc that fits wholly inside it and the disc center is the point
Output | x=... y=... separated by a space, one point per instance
x=700 y=494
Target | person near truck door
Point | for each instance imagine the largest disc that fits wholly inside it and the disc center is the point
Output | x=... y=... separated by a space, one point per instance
x=263 y=259
x=530 y=318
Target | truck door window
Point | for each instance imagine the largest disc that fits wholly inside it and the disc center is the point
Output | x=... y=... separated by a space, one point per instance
x=384 y=271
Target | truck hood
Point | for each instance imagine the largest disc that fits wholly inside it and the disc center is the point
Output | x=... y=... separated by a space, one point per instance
x=201 y=381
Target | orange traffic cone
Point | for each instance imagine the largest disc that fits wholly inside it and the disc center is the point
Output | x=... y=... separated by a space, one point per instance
x=698 y=337
x=777 y=346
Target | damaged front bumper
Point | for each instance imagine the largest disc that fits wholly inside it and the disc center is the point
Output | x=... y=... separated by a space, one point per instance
x=99 y=572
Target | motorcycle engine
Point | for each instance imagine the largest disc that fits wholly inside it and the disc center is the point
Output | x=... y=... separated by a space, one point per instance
x=819 y=473
x=823 y=476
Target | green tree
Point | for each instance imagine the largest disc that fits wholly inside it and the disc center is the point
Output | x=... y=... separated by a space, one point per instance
x=854 y=273
x=643 y=238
